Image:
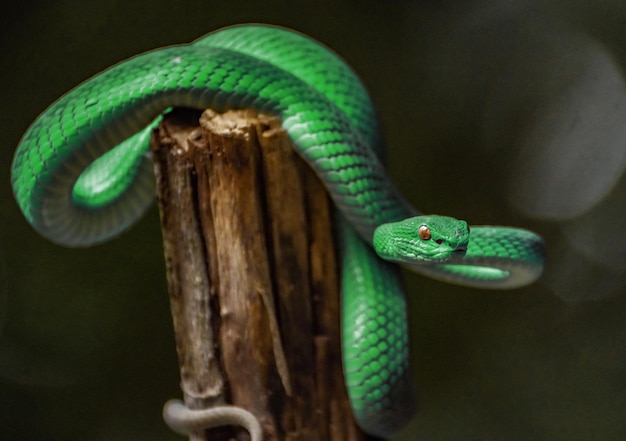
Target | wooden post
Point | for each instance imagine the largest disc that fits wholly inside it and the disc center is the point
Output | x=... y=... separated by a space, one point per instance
x=252 y=275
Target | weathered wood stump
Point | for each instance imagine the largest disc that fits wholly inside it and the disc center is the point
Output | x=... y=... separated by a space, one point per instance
x=252 y=275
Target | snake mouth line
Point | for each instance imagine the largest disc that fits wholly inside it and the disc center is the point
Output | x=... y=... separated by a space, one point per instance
x=443 y=254
x=454 y=255
x=460 y=250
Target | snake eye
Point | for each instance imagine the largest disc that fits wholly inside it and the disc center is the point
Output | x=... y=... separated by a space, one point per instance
x=424 y=233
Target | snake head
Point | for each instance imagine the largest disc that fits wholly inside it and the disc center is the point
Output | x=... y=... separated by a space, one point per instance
x=422 y=239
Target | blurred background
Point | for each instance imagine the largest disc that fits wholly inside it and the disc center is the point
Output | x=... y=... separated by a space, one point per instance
x=498 y=112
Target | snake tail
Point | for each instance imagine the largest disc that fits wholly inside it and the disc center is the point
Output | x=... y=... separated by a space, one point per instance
x=183 y=420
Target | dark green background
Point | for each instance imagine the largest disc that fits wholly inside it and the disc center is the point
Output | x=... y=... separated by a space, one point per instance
x=489 y=107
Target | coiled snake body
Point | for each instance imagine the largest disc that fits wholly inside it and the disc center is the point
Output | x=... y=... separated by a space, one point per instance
x=75 y=194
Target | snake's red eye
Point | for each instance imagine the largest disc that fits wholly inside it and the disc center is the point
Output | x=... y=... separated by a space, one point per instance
x=424 y=233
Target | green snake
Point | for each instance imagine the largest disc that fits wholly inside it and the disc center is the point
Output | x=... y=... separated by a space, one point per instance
x=82 y=174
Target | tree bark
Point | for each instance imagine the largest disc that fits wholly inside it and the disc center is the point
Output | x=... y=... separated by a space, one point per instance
x=252 y=275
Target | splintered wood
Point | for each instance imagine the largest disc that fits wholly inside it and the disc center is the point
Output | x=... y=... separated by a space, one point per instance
x=252 y=275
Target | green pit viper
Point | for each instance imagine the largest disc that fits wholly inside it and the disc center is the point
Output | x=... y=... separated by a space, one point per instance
x=82 y=173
